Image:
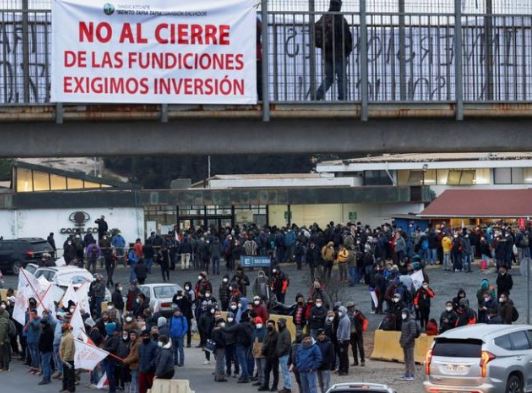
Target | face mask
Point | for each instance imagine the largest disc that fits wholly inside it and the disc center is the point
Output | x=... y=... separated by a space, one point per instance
x=222 y=325
x=501 y=300
x=319 y=305
x=230 y=288
x=110 y=307
x=503 y=273
x=3 y=306
x=138 y=300
x=239 y=305
x=449 y=308
x=71 y=310
x=200 y=278
x=330 y=319
x=340 y=314
x=125 y=337
x=300 y=302
x=233 y=307
x=259 y=325
x=403 y=316
x=462 y=296
x=69 y=243
x=256 y=302
x=129 y=319
x=207 y=295
x=425 y=286
x=486 y=299
x=187 y=288
x=160 y=344
x=395 y=300
x=212 y=311
x=230 y=320
x=225 y=280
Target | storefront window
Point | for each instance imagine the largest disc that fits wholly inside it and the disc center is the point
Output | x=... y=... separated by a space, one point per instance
x=482 y=176
x=57 y=182
x=527 y=175
x=24 y=180
x=41 y=181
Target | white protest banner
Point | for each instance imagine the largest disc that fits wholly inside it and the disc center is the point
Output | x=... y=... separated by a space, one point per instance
x=78 y=327
x=87 y=356
x=173 y=52
x=417 y=279
x=103 y=383
x=79 y=295
x=21 y=304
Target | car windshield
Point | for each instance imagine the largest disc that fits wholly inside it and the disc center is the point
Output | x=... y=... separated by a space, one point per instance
x=457 y=348
x=165 y=292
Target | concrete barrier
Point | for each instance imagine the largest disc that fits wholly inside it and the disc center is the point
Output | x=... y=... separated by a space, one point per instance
x=171 y=386
x=386 y=346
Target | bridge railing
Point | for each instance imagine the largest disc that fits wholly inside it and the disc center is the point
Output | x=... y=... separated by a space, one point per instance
x=391 y=51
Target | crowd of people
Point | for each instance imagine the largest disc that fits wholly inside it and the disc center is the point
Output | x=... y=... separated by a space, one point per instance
x=236 y=327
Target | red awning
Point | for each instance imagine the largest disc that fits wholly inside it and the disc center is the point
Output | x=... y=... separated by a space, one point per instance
x=481 y=203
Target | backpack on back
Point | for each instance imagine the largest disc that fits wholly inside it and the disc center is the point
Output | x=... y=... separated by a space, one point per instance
x=515 y=314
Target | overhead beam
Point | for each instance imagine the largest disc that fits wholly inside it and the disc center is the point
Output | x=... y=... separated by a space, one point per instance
x=252 y=136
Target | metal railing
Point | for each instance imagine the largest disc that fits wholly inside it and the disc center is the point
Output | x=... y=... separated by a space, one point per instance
x=381 y=51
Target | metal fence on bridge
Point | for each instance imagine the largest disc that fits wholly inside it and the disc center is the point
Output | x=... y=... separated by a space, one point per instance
x=396 y=51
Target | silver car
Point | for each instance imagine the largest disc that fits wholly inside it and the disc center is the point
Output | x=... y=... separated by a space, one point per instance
x=481 y=359
x=360 y=387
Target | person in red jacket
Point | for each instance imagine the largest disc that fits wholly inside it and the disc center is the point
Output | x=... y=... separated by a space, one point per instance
x=279 y=284
x=259 y=309
x=422 y=303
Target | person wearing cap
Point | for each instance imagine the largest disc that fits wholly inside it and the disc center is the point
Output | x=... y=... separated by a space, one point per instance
x=284 y=343
x=67 y=351
x=359 y=324
x=466 y=316
x=148 y=351
x=408 y=342
x=343 y=335
x=307 y=361
x=259 y=309
x=269 y=346
x=218 y=336
x=318 y=314
x=259 y=333
x=178 y=330
x=328 y=360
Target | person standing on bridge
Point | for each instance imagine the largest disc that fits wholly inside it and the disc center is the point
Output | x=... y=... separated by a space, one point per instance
x=334 y=38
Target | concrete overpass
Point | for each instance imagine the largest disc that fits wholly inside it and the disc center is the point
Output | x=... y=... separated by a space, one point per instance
x=461 y=83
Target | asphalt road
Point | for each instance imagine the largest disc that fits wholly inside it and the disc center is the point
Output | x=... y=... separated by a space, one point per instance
x=445 y=284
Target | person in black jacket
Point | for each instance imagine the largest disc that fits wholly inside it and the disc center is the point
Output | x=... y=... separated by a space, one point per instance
x=111 y=345
x=284 y=343
x=141 y=271
x=141 y=304
x=224 y=293
x=117 y=299
x=269 y=346
x=314 y=261
x=122 y=372
x=243 y=338
x=185 y=305
x=230 y=347
x=164 y=359
x=328 y=360
x=505 y=282
x=448 y=318
x=334 y=38
x=318 y=314
x=205 y=327
x=218 y=336
x=46 y=348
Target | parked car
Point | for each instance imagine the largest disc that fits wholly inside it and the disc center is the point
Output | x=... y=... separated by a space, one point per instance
x=17 y=253
x=160 y=296
x=63 y=276
x=31 y=267
x=359 y=387
x=481 y=358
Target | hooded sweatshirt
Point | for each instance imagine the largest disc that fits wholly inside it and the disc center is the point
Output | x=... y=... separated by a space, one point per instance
x=344 y=326
x=408 y=331
x=308 y=357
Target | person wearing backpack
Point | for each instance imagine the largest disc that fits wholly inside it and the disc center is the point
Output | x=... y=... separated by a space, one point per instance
x=409 y=332
x=333 y=36
x=178 y=330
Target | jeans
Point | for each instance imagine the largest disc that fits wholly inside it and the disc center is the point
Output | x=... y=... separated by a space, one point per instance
x=179 y=353
x=220 y=359
x=109 y=366
x=353 y=275
x=34 y=353
x=230 y=358
x=410 y=366
x=466 y=261
x=324 y=379
x=132 y=275
x=185 y=261
x=447 y=265
x=261 y=367
x=134 y=386
x=149 y=263
x=215 y=265
x=242 y=355
x=308 y=382
x=433 y=255
x=333 y=67
x=46 y=366
x=57 y=361
x=342 y=270
x=95 y=374
x=287 y=380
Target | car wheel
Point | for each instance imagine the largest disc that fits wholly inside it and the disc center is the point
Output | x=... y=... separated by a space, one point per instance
x=514 y=385
x=15 y=267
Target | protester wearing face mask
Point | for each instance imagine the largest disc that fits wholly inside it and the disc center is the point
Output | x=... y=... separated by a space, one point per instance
x=259 y=309
x=298 y=315
x=505 y=282
x=141 y=304
x=259 y=334
x=407 y=342
x=203 y=285
x=205 y=327
x=307 y=361
x=343 y=335
x=269 y=346
x=184 y=303
x=117 y=299
x=218 y=336
x=231 y=362
x=422 y=300
x=131 y=361
x=147 y=362
x=122 y=352
x=284 y=343
x=507 y=310
x=224 y=293
x=317 y=317
x=165 y=359
x=178 y=330
x=448 y=318
x=132 y=295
